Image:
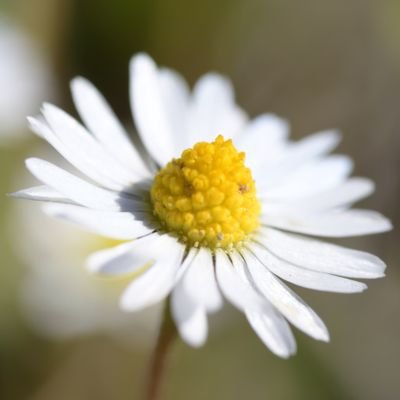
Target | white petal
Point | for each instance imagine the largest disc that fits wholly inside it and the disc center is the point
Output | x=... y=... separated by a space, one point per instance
x=321 y=256
x=117 y=225
x=149 y=111
x=90 y=152
x=200 y=284
x=190 y=317
x=158 y=280
x=285 y=300
x=262 y=139
x=234 y=288
x=77 y=189
x=105 y=126
x=314 y=145
x=309 y=179
x=295 y=155
x=305 y=277
x=335 y=223
x=126 y=257
x=175 y=96
x=274 y=332
x=265 y=320
x=213 y=110
x=69 y=153
x=38 y=125
x=350 y=191
x=41 y=193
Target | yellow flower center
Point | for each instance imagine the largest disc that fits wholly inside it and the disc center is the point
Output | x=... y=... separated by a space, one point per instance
x=207 y=197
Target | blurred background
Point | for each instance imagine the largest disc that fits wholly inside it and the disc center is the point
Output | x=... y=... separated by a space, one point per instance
x=320 y=64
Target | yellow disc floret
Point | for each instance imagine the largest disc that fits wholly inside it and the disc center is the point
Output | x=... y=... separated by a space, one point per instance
x=207 y=197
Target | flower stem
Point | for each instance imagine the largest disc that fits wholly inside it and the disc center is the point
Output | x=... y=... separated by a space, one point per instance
x=157 y=366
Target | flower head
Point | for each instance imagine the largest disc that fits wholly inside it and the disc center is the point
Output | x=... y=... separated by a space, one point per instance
x=207 y=197
x=220 y=206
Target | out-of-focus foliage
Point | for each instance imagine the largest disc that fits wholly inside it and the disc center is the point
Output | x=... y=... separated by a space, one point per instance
x=321 y=64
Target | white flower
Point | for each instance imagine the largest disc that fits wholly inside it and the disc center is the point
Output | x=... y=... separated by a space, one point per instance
x=25 y=80
x=201 y=227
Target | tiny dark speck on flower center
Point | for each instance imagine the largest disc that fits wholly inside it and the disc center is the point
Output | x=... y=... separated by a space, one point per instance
x=243 y=188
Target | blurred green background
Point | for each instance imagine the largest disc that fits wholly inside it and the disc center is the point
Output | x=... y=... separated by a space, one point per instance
x=320 y=64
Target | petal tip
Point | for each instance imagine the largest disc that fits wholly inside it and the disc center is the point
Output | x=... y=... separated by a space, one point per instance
x=77 y=84
x=325 y=337
x=31 y=162
x=141 y=60
x=195 y=343
x=15 y=195
x=92 y=266
x=32 y=122
x=125 y=303
x=47 y=107
x=335 y=137
x=285 y=354
x=77 y=80
x=389 y=225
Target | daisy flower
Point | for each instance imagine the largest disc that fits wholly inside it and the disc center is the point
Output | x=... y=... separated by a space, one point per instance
x=25 y=80
x=217 y=206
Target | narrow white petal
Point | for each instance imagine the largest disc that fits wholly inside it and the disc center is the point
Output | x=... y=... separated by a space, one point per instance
x=158 y=280
x=322 y=256
x=234 y=288
x=117 y=225
x=285 y=300
x=175 y=96
x=263 y=139
x=314 y=145
x=90 y=152
x=105 y=126
x=200 y=284
x=38 y=125
x=347 y=193
x=305 y=277
x=148 y=108
x=74 y=157
x=213 y=110
x=41 y=193
x=265 y=129
x=312 y=178
x=126 y=257
x=190 y=317
x=264 y=319
x=295 y=155
x=77 y=189
x=274 y=332
x=213 y=86
x=337 y=223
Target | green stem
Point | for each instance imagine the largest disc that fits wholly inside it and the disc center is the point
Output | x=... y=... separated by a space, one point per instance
x=157 y=367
